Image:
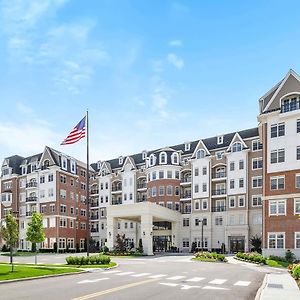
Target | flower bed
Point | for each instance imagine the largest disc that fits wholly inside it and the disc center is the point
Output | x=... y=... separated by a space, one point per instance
x=207 y=256
x=294 y=269
x=88 y=260
x=252 y=257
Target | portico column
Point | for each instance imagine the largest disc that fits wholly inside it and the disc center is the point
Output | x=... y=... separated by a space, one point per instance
x=112 y=228
x=175 y=234
x=147 y=234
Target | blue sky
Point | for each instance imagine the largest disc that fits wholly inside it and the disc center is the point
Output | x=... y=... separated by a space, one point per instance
x=152 y=73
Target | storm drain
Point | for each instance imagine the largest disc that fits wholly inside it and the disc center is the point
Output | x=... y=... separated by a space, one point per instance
x=275 y=286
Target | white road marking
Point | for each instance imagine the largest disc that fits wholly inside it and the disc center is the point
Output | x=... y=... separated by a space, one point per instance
x=175 y=277
x=125 y=273
x=169 y=284
x=92 y=280
x=213 y=288
x=242 y=283
x=187 y=287
x=195 y=279
x=158 y=276
x=218 y=281
x=141 y=274
x=112 y=272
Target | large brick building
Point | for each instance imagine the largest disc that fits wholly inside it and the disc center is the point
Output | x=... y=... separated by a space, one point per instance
x=237 y=185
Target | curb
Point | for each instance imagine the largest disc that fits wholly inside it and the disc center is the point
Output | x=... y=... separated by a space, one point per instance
x=261 y=288
x=91 y=270
x=42 y=277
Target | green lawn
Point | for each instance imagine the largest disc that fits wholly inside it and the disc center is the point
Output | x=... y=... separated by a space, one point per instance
x=204 y=259
x=276 y=263
x=21 y=271
x=18 y=254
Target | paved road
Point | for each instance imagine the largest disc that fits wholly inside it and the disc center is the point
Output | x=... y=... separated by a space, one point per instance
x=170 y=277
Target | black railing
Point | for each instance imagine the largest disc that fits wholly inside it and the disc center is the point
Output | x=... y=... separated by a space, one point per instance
x=94 y=229
x=29 y=213
x=218 y=208
x=31 y=184
x=293 y=105
x=116 y=188
x=218 y=192
x=94 y=204
x=186 y=179
x=141 y=199
x=219 y=175
x=186 y=195
x=94 y=217
x=186 y=211
x=116 y=202
x=141 y=185
x=31 y=199
x=93 y=192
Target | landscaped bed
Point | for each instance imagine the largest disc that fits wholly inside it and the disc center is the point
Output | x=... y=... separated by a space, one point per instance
x=209 y=257
x=26 y=271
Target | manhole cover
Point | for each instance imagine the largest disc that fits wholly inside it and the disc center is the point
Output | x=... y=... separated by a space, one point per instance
x=275 y=285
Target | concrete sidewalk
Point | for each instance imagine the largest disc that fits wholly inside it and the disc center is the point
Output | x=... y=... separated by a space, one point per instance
x=279 y=286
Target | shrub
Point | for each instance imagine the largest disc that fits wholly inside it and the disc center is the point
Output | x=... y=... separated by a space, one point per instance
x=296 y=271
x=289 y=256
x=210 y=256
x=70 y=260
x=93 y=260
x=252 y=257
x=278 y=258
x=105 y=249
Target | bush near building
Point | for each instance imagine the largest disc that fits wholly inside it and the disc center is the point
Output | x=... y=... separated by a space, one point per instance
x=294 y=269
x=88 y=260
x=209 y=256
x=252 y=257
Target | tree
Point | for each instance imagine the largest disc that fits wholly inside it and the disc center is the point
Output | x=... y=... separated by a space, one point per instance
x=140 y=248
x=120 y=243
x=35 y=232
x=256 y=243
x=10 y=233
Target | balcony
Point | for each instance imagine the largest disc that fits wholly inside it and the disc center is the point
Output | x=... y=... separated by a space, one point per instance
x=31 y=199
x=218 y=208
x=94 y=204
x=94 y=217
x=94 y=192
x=186 y=196
x=94 y=229
x=141 y=186
x=141 y=199
x=219 y=175
x=218 y=192
x=186 y=181
x=292 y=105
x=29 y=213
x=32 y=184
x=116 y=189
x=116 y=202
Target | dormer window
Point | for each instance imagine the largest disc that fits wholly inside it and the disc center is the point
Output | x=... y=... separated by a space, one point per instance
x=5 y=171
x=187 y=146
x=200 y=154
x=220 y=139
x=237 y=147
x=24 y=170
x=163 y=158
x=46 y=163
x=64 y=163
x=120 y=160
x=175 y=158
x=290 y=103
x=144 y=154
x=99 y=164
x=151 y=160
x=73 y=167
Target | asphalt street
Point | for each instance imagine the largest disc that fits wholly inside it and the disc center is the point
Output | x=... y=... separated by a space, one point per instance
x=169 y=277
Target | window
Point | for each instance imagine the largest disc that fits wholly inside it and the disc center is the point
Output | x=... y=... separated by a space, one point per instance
x=297 y=181
x=232 y=202
x=186 y=222
x=256 y=200
x=185 y=243
x=232 y=183
x=82 y=243
x=237 y=147
x=62 y=222
x=204 y=171
x=130 y=196
x=241 y=201
x=197 y=205
x=220 y=139
x=277 y=156
x=175 y=158
x=219 y=221
x=298 y=153
x=277 y=130
x=257 y=182
x=297 y=240
x=204 y=204
x=50 y=192
x=277 y=207
x=187 y=146
x=298 y=125
x=277 y=182
x=62 y=243
x=257 y=163
x=196 y=172
x=177 y=190
x=276 y=240
x=169 y=190
x=241 y=182
x=152 y=160
x=256 y=145
x=63 y=194
x=231 y=166
x=153 y=175
x=125 y=225
x=131 y=225
x=161 y=174
x=204 y=187
x=290 y=104
x=163 y=158
x=297 y=206
x=154 y=191
x=120 y=160
x=200 y=154
x=42 y=179
x=63 y=209
x=241 y=164
x=177 y=174
x=161 y=191
x=64 y=163
x=169 y=174
x=219 y=155
x=196 y=188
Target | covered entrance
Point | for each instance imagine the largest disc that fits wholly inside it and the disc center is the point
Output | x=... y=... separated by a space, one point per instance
x=162 y=243
x=236 y=244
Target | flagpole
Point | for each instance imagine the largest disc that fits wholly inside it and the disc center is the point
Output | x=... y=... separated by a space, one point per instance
x=87 y=186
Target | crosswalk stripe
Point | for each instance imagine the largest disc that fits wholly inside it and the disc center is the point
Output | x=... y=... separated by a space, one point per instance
x=213 y=288
x=168 y=284
x=187 y=287
x=195 y=279
x=218 y=281
x=141 y=274
x=112 y=272
x=242 y=283
x=158 y=276
x=125 y=273
x=175 y=277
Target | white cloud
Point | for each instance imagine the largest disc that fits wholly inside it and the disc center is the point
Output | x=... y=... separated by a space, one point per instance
x=159 y=103
x=23 y=108
x=175 y=60
x=175 y=43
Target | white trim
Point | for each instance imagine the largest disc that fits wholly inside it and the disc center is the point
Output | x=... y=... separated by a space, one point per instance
x=276 y=201
x=295 y=234
x=276 y=233
x=197 y=148
x=233 y=141
x=295 y=200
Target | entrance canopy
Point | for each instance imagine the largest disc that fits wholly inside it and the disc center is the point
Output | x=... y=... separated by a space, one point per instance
x=146 y=213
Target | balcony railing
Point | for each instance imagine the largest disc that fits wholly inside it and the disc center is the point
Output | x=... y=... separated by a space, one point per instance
x=293 y=105
x=186 y=179
x=94 y=229
x=186 y=211
x=218 y=208
x=29 y=213
x=93 y=192
x=116 y=189
x=186 y=195
x=141 y=199
x=94 y=204
x=142 y=185
x=94 y=217
x=116 y=202
x=31 y=199
x=31 y=184
x=219 y=175
x=218 y=192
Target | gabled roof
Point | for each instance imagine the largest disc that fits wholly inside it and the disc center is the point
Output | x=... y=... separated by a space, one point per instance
x=236 y=138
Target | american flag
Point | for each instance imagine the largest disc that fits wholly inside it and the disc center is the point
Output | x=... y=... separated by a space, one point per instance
x=76 y=134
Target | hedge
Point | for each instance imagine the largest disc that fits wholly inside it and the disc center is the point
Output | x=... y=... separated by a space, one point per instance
x=295 y=271
x=209 y=255
x=88 y=260
x=252 y=257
